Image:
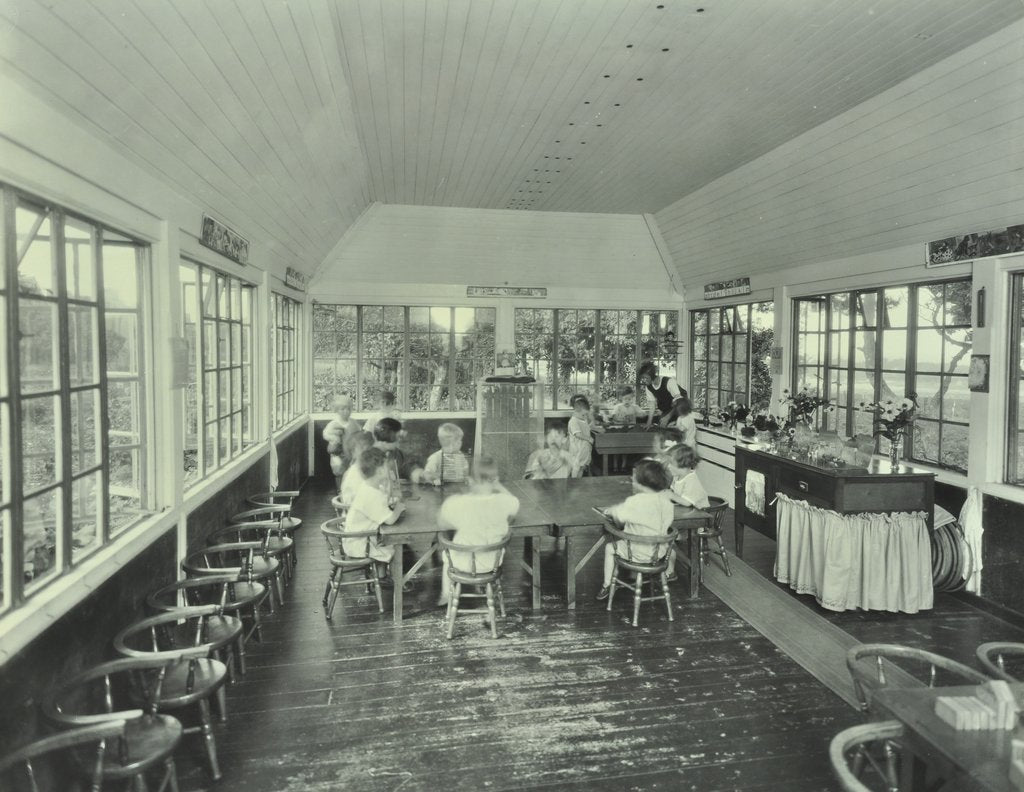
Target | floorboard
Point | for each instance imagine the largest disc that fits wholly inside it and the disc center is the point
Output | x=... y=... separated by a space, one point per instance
x=562 y=700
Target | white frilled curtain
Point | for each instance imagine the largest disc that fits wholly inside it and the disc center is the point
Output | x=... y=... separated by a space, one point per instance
x=848 y=561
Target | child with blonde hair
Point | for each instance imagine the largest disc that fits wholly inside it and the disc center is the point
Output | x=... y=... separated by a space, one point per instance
x=623 y=408
x=681 y=462
x=448 y=464
x=581 y=438
x=355 y=447
x=552 y=459
x=370 y=509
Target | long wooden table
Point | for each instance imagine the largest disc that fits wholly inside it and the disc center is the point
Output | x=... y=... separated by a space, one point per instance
x=975 y=760
x=423 y=502
x=570 y=502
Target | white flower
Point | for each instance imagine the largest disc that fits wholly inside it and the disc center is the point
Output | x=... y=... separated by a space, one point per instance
x=907 y=404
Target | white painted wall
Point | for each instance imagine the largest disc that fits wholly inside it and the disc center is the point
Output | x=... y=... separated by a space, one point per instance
x=939 y=154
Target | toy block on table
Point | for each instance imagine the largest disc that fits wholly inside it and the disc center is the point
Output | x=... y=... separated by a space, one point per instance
x=1000 y=699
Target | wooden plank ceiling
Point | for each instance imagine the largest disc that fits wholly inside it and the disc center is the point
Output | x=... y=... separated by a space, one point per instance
x=294 y=115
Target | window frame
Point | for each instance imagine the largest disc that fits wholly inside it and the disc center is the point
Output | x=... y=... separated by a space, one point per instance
x=700 y=396
x=879 y=371
x=405 y=361
x=286 y=398
x=17 y=591
x=599 y=355
x=249 y=402
x=1013 y=463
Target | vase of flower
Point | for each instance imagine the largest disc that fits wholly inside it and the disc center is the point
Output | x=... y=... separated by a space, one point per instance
x=896 y=450
x=892 y=418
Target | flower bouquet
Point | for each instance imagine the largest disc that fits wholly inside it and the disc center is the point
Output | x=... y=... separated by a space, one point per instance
x=733 y=413
x=802 y=405
x=892 y=419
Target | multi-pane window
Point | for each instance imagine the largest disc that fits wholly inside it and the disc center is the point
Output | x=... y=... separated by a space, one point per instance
x=72 y=425
x=873 y=345
x=576 y=350
x=730 y=355
x=1015 y=416
x=217 y=313
x=430 y=357
x=285 y=314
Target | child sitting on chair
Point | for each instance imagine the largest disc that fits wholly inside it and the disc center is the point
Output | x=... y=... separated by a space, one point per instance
x=681 y=462
x=551 y=461
x=357 y=445
x=369 y=510
x=647 y=512
x=478 y=517
x=449 y=464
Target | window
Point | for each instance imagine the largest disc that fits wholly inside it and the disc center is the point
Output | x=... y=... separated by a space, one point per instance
x=1015 y=417
x=431 y=357
x=592 y=350
x=285 y=315
x=72 y=424
x=217 y=321
x=730 y=355
x=876 y=344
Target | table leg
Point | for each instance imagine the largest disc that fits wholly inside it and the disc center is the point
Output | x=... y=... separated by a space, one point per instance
x=604 y=464
x=535 y=582
x=570 y=572
x=398 y=580
x=693 y=548
x=739 y=538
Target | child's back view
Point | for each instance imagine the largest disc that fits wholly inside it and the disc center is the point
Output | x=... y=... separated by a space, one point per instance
x=370 y=509
x=478 y=517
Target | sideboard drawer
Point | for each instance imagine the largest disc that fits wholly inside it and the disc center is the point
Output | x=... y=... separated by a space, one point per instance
x=805 y=484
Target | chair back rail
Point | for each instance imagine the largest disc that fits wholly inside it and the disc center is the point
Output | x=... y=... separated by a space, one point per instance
x=270 y=498
x=163 y=638
x=334 y=534
x=198 y=591
x=852 y=747
x=97 y=734
x=275 y=512
x=660 y=543
x=992 y=657
x=473 y=551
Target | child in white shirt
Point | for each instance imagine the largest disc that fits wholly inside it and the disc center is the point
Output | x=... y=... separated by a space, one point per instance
x=449 y=464
x=353 y=477
x=385 y=409
x=581 y=441
x=683 y=419
x=369 y=510
x=681 y=461
x=648 y=512
x=624 y=409
x=552 y=461
x=478 y=517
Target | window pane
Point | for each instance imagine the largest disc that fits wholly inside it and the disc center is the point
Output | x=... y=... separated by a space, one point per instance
x=35 y=268
x=894 y=349
x=40 y=440
x=120 y=276
x=122 y=343
x=85 y=515
x=79 y=267
x=82 y=348
x=37 y=323
x=41 y=521
x=85 y=430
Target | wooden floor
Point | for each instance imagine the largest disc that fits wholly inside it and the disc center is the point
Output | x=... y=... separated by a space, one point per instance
x=561 y=701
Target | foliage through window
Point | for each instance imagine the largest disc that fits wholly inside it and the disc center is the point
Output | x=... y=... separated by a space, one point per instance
x=72 y=422
x=1015 y=445
x=730 y=355
x=217 y=313
x=285 y=313
x=430 y=357
x=874 y=345
x=592 y=350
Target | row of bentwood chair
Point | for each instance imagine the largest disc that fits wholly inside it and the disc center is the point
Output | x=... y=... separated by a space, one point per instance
x=119 y=720
x=871 y=753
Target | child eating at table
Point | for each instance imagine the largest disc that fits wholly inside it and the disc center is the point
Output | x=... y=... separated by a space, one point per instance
x=358 y=444
x=449 y=464
x=623 y=408
x=647 y=512
x=478 y=517
x=552 y=460
x=682 y=418
x=681 y=462
x=369 y=510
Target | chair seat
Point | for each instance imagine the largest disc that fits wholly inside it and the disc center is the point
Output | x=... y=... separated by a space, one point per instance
x=220 y=631
x=209 y=675
x=149 y=739
x=474 y=579
x=346 y=563
x=245 y=594
x=642 y=568
x=710 y=533
x=278 y=545
x=291 y=523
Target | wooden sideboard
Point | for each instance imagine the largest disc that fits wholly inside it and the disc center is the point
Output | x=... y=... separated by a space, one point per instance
x=843 y=489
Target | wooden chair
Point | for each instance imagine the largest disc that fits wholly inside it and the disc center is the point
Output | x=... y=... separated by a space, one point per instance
x=278 y=498
x=233 y=596
x=127 y=691
x=277 y=513
x=481 y=573
x=342 y=563
x=88 y=745
x=340 y=509
x=642 y=555
x=193 y=682
x=993 y=657
x=276 y=542
x=873 y=667
x=870 y=745
x=706 y=533
x=246 y=561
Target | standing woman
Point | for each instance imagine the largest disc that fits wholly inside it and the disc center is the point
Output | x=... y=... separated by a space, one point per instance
x=664 y=391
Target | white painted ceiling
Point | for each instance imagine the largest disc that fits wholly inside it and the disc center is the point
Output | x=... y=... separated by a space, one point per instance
x=294 y=115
